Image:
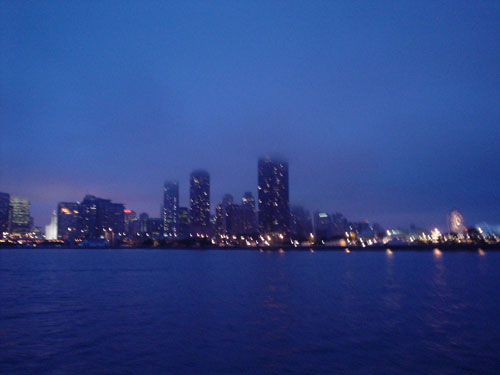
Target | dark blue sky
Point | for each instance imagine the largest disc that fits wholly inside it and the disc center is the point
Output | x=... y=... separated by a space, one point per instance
x=387 y=111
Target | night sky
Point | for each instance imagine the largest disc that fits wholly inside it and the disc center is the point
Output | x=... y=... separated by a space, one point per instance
x=386 y=111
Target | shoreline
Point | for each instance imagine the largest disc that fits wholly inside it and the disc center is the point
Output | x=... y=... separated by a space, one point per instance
x=420 y=247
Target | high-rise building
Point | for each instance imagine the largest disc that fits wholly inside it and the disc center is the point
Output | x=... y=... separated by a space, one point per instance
x=130 y=220
x=248 y=200
x=300 y=223
x=4 y=213
x=322 y=226
x=199 y=199
x=248 y=203
x=88 y=214
x=171 y=209
x=240 y=220
x=340 y=224
x=184 y=223
x=274 y=206
x=220 y=228
x=144 y=224
x=115 y=218
x=155 y=225
x=68 y=221
x=100 y=218
x=221 y=215
x=20 y=215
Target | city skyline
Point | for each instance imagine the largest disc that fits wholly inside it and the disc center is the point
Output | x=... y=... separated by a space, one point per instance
x=175 y=196
x=387 y=112
x=269 y=212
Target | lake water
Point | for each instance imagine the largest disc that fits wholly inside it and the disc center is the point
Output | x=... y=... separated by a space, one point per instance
x=246 y=312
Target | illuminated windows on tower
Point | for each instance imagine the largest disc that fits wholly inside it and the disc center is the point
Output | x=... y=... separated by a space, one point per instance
x=274 y=206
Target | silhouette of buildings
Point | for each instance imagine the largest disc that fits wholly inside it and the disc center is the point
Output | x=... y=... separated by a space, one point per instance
x=171 y=209
x=273 y=194
x=68 y=221
x=199 y=199
x=184 y=222
x=4 y=213
x=20 y=220
x=300 y=223
x=101 y=219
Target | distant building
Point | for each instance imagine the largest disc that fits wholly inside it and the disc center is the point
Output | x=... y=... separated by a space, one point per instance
x=20 y=221
x=88 y=213
x=101 y=218
x=68 y=221
x=361 y=227
x=300 y=223
x=171 y=209
x=220 y=219
x=240 y=220
x=340 y=224
x=322 y=226
x=130 y=220
x=184 y=223
x=51 y=229
x=4 y=213
x=115 y=218
x=248 y=203
x=144 y=224
x=274 y=208
x=199 y=199
x=248 y=200
x=155 y=228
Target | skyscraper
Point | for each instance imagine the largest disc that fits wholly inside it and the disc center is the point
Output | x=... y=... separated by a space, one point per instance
x=322 y=226
x=274 y=207
x=184 y=223
x=248 y=203
x=100 y=218
x=88 y=214
x=144 y=224
x=130 y=220
x=20 y=215
x=240 y=220
x=68 y=221
x=4 y=212
x=171 y=209
x=248 y=200
x=300 y=223
x=220 y=228
x=199 y=199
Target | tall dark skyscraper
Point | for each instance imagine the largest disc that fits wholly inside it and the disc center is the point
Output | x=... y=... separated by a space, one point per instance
x=171 y=209
x=274 y=206
x=199 y=200
x=4 y=212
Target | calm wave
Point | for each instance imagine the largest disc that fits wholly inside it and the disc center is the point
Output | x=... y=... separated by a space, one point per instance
x=246 y=312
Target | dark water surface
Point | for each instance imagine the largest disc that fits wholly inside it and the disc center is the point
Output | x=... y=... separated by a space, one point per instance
x=245 y=312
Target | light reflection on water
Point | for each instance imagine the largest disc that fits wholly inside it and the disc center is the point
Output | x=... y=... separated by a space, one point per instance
x=247 y=312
